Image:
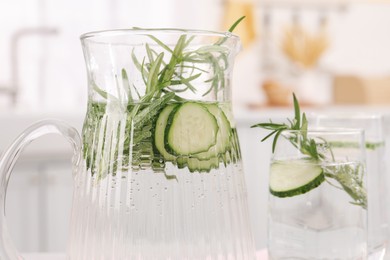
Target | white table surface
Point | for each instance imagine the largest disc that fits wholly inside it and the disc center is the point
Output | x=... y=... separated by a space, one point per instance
x=44 y=256
x=261 y=255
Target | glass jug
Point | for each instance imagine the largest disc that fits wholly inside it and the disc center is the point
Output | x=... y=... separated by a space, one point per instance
x=157 y=173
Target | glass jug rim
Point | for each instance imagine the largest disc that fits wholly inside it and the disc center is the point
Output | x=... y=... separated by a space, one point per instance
x=146 y=31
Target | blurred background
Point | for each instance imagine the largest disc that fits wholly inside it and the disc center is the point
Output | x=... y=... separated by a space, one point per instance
x=334 y=54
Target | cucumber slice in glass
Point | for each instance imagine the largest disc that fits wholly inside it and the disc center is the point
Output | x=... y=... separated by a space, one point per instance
x=294 y=177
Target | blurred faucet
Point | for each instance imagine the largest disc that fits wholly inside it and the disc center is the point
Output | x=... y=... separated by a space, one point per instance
x=13 y=90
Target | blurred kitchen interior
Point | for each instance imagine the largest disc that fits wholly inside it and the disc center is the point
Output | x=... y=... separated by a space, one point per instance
x=334 y=54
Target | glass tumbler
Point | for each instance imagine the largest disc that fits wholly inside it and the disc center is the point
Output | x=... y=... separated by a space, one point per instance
x=317 y=196
x=377 y=179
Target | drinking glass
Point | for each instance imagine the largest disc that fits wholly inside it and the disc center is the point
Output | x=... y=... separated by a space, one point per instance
x=158 y=172
x=317 y=196
x=377 y=179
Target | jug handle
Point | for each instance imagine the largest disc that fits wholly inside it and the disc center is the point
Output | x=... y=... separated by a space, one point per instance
x=7 y=162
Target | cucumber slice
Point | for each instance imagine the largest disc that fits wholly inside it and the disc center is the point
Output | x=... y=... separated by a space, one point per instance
x=191 y=129
x=223 y=135
x=196 y=165
x=294 y=177
x=181 y=162
x=159 y=132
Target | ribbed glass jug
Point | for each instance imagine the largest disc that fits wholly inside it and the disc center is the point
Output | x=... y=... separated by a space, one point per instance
x=157 y=172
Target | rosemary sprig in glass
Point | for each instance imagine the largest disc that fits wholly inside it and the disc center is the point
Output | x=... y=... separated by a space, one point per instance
x=349 y=179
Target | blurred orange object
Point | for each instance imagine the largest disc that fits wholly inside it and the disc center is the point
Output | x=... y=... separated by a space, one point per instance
x=277 y=95
x=234 y=9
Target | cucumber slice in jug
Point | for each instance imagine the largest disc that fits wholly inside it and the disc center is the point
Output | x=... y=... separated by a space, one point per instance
x=191 y=129
x=294 y=177
x=159 y=132
x=223 y=136
x=196 y=165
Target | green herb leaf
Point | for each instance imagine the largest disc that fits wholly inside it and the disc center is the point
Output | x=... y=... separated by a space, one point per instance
x=151 y=83
x=231 y=29
x=152 y=109
x=164 y=46
x=104 y=94
x=126 y=85
x=275 y=140
x=297 y=120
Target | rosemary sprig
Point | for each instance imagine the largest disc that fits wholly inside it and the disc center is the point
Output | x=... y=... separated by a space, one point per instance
x=164 y=77
x=349 y=178
x=298 y=123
